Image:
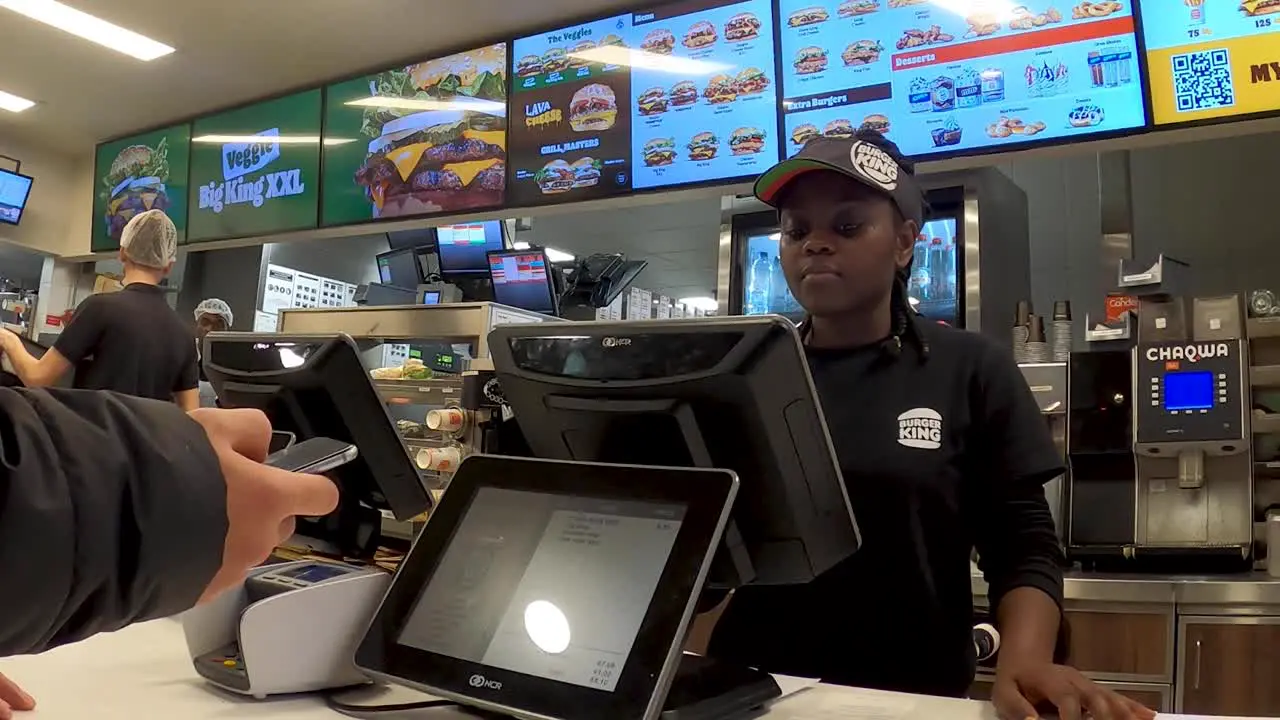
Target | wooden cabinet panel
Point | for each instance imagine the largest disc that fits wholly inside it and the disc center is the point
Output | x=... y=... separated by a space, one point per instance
x=1131 y=644
x=1230 y=666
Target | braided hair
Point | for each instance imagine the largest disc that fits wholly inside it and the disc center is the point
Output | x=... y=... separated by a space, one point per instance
x=902 y=322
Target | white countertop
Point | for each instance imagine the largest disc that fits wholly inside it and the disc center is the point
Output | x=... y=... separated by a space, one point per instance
x=144 y=672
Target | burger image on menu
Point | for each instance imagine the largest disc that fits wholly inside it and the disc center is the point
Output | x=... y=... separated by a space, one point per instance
x=660 y=152
x=742 y=27
x=751 y=81
x=135 y=184
x=529 y=66
x=841 y=129
x=810 y=60
x=659 y=42
x=612 y=40
x=438 y=160
x=576 y=56
x=746 y=141
x=704 y=146
x=594 y=108
x=700 y=35
x=722 y=89
x=652 y=102
x=803 y=133
x=586 y=172
x=807 y=16
x=555 y=60
x=877 y=122
x=862 y=52
x=555 y=177
x=684 y=93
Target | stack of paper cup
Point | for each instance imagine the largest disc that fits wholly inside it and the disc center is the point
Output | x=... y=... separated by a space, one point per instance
x=1036 y=349
x=443 y=459
x=1062 y=331
x=1021 y=325
x=447 y=419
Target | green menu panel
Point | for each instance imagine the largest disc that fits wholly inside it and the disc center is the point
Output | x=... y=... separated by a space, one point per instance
x=139 y=173
x=256 y=170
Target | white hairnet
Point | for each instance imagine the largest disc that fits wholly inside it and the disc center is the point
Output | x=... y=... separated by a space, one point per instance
x=150 y=240
x=216 y=307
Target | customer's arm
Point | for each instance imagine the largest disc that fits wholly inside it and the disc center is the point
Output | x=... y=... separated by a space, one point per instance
x=113 y=510
x=76 y=342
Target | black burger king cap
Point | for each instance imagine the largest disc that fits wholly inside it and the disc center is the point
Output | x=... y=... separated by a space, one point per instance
x=854 y=158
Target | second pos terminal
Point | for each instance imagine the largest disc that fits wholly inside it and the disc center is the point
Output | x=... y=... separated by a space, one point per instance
x=564 y=587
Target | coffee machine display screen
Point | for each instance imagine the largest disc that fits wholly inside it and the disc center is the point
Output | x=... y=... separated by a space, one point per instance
x=1188 y=391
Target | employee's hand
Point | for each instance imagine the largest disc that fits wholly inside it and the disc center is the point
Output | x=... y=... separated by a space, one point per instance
x=1019 y=690
x=13 y=698
x=262 y=501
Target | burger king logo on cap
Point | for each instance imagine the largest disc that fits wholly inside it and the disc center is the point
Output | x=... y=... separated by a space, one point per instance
x=874 y=164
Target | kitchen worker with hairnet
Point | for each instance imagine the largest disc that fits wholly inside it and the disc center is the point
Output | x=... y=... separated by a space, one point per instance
x=130 y=341
x=212 y=315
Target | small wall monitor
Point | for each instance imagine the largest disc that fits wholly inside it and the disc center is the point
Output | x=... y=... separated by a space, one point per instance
x=464 y=248
x=522 y=278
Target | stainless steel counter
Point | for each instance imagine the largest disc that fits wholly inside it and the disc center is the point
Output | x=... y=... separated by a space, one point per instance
x=1253 y=589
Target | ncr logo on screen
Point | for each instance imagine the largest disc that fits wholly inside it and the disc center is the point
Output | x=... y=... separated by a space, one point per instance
x=1265 y=73
x=480 y=681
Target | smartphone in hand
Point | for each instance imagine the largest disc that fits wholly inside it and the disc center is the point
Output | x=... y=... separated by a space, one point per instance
x=313 y=457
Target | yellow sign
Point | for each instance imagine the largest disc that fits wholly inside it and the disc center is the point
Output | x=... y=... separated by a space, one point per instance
x=1215 y=79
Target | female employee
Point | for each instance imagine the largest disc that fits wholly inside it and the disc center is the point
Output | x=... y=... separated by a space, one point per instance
x=898 y=615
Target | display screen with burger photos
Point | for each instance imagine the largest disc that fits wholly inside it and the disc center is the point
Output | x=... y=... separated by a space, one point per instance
x=255 y=170
x=136 y=174
x=938 y=81
x=651 y=99
x=418 y=140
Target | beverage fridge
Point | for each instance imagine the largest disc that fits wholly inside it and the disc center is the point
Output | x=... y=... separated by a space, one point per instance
x=975 y=225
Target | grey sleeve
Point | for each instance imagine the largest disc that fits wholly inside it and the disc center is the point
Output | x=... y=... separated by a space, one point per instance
x=112 y=511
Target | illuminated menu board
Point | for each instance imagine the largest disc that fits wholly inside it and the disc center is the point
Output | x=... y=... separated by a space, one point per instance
x=1212 y=62
x=417 y=140
x=939 y=80
x=678 y=95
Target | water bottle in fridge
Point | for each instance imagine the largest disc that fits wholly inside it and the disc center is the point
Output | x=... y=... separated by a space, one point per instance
x=918 y=285
x=938 y=268
x=758 y=285
x=951 y=269
x=780 y=300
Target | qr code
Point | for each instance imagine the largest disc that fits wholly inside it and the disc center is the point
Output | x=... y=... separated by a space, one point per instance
x=1202 y=80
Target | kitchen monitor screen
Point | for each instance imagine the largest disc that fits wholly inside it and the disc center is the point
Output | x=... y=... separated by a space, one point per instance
x=14 y=191
x=255 y=170
x=509 y=590
x=1188 y=391
x=521 y=279
x=938 y=81
x=679 y=94
x=1212 y=62
x=399 y=268
x=430 y=297
x=418 y=139
x=465 y=248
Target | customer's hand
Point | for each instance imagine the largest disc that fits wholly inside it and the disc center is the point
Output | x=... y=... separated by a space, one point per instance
x=1018 y=690
x=262 y=501
x=8 y=340
x=13 y=698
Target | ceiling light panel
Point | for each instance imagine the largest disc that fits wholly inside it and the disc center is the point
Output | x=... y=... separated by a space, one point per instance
x=89 y=27
x=13 y=103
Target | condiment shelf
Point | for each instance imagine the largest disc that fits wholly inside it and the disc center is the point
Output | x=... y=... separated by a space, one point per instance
x=1265 y=376
x=435 y=391
x=1268 y=327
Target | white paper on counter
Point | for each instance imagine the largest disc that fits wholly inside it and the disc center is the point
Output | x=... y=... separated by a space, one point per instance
x=859 y=707
x=792 y=685
x=264 y=322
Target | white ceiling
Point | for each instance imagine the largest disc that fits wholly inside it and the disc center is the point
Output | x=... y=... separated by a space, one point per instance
x=233 y=51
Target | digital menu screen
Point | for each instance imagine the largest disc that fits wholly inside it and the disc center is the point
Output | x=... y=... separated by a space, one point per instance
x=937 y=78
x=136 y=174
x=652 y=99
x=255 y=170
x=417 y=140
x=1213 y=62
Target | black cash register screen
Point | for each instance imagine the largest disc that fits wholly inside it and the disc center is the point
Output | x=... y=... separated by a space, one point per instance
x=552 y=586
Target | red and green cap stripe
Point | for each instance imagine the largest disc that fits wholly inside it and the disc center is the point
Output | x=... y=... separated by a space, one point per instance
x=772 y=182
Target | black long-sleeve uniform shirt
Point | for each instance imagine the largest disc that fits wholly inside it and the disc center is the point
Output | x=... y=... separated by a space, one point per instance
x=942 y=452
x=113 y=510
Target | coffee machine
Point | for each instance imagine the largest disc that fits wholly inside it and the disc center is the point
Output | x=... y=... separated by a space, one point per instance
x=1193 y=442
x=1048 y=383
